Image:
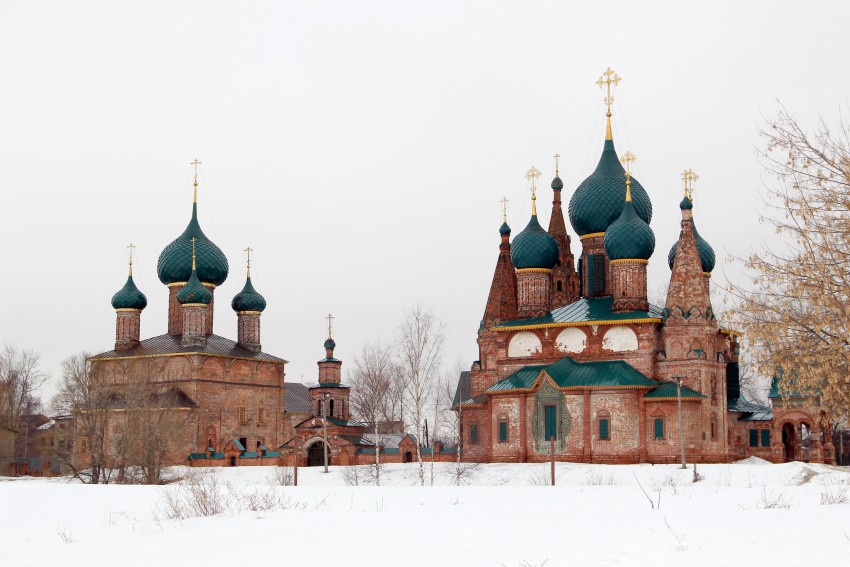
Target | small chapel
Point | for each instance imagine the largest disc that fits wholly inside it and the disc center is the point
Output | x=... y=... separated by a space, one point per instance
x=575 y=361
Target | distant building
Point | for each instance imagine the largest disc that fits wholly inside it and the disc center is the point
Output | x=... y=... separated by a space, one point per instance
x=577 y=357
x=7 y=452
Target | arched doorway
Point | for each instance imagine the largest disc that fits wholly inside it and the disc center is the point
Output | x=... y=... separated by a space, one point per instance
x=316 y=455
x=789 y=441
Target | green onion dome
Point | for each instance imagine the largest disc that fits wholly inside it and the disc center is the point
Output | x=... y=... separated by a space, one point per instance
x=194 y=291
x=599 y=199
x=534 y=247
x=129 y=297
x=629 y=237
x=706 y=252
x=557 y=184
x=248 y=299
x=330 y=344
x=175 y=262
x=504 y=229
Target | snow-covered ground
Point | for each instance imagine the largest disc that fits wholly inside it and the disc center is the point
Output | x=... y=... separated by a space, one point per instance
x=744 y=513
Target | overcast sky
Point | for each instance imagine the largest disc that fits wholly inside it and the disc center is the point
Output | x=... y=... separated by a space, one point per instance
x=361 y=148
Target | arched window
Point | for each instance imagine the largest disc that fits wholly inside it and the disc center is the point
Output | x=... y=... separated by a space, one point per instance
x=603 y=421
x=331 y=408
x=559 y=285
x=319 y=406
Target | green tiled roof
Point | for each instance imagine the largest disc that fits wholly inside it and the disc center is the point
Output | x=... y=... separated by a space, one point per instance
x=504 y=229
x=706 y=253
x=329 y=384
x=330 y=343
x=129 y=297
x=567 y=373
x=599 y=199
x=462 y=390
x=669 y=390
x=175 y=261
x=248 y=299
x=584 y=310
x=629 y=237
x=534 y=247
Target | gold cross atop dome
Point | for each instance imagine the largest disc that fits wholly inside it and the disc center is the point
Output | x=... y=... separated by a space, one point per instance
x=689 y=179
x=504 y=202
x=196 y=163
x=627 y=160
x=608 y=78
x=532 y=175
x=130 y=248
x=248 y=251
x=330 y=319
x=557 y=165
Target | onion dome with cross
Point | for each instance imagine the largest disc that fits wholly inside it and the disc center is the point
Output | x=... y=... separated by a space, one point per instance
x=175 y=261
x=599 y=200
x=194 y=292
x=629 y=237
x=534 y=247
x=129 y=296
x=248 y=299
x=706 y=252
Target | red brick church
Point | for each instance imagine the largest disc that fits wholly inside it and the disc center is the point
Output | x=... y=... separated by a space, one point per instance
x=574 y=352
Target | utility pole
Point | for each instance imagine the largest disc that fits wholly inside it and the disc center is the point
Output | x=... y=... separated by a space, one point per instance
x=681 y=420
x=325 y=427
x=552 y=456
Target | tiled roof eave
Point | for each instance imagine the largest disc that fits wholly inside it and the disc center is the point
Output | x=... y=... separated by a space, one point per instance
x=577 y=324
x=587 y=387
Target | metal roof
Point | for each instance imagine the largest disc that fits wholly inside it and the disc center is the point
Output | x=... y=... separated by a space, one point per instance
x=170 y=345
x=296 y=398
x=567 y=373
x=585 y=310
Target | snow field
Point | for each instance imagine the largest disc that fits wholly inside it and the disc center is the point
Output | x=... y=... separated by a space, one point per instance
x=595 y=515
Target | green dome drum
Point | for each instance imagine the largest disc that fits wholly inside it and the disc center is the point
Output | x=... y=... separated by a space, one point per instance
x=599 y=199
x=129 y=297
x=175 y=262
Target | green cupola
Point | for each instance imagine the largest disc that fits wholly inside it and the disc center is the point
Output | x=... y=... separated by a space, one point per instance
x=129 y=296
x=706 y=252
x=599 y=199
x=330 y=344
x=504 y=229
x=248 y=299
x=194 y=292
x=629 y=237
x=175 y=261
x=534 y=247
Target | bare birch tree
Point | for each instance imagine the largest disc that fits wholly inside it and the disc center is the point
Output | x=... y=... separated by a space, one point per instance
x=420 y=351
x=372 y=382
x=796 y=317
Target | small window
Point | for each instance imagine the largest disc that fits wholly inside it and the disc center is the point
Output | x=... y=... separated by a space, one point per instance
x=765 y=437
x=560 y=285
x=503 y=432
x=713 y=430
x=659 y=428
x=754 y=437
x=604 y=433
x=331 y=408
x=243 y=415
x=473 y=434
x=261 y=416
x=319 y=413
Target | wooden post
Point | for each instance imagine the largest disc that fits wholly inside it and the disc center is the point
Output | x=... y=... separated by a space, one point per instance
x=681 y=420
x=552 y=456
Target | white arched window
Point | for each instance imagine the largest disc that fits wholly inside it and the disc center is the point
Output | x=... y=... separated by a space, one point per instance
x=620 y=339
x=571 y=339
x=524 y=344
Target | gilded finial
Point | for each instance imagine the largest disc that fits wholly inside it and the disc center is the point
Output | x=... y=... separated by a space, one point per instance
x=504 y=202
x=689 y=179
x=532 y=175
x=330 y=319
x=196 y=163
x=130 y=248
x=627 y=160
x=608 y=78
x=249 y=250
x=557 y=164
x=193 y=254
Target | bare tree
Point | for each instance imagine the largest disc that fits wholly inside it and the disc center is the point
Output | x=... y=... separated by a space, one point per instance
x=796 y=317
x=420 y=352
x=20 y=379
x=372 y=382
